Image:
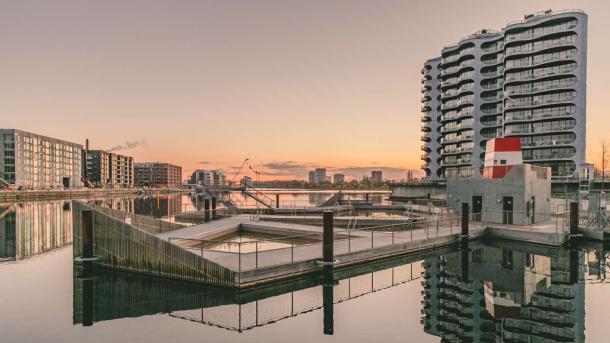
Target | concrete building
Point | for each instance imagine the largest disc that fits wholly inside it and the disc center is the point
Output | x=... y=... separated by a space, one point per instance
x=527 y=80
x=312 y=177
x=201 y=177
x=320 y=175
x=32 y=161
x=509 y=192
x=157 y=175
x=108 y=169
x=376 y=177
x=338 y=179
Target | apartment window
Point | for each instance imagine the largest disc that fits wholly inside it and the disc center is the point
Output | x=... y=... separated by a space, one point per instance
x=507 y=259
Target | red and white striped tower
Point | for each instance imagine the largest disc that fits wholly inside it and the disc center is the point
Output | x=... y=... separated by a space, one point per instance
x=501 y=154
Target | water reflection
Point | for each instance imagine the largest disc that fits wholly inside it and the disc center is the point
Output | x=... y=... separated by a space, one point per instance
x=483 y=292
x=122 y=295
x=514 y=293
x=32 y=228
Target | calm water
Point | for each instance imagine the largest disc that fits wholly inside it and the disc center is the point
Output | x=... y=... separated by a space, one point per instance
x=498 y=291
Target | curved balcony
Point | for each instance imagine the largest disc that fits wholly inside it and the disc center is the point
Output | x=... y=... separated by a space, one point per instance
x=497 y=59
x=426 y=108
x=493 y=98
x=457 y=103
x=510 y=131
x=426 y=88
x=456 y=127
x=457 y=150
x=426 y=147
x=455 y=57
x=426 y=138
x=454 y=92
x=510 y=118
x=492 y=85
x=426 y=98
x=458 y=68
x=491 y=109
x=456 y=162
x=540 y=87
x=548 y=143
x=468 y=75
x=493 y=46
x=496 y=121
x=563 y=25
x=529 y=102
x=425 y=157
x=426 y=129
x=425 y=119
x=531 y=49
x=456 y=139
x=550 y=58
x=456 y=114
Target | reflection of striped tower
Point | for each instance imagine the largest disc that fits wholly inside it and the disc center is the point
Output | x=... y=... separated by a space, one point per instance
x=501 y=154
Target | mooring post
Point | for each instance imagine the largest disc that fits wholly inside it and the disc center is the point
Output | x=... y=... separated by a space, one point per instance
x=327 y=244
x=87 y=233
x=213 y=208
x=573 y=218
x=206 y=210
x=465 y=215
x=277 y=200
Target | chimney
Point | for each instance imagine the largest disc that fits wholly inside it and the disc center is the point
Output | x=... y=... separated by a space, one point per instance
x=87 y=144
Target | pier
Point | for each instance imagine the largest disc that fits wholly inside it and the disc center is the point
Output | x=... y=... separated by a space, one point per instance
x=246 y=250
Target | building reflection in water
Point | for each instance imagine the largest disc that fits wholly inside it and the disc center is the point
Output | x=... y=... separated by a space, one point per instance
x=504 y=292
x=32 y=228
x=514 y=293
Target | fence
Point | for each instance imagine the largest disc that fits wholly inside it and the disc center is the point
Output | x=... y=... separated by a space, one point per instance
x=270 y=252
x=145 y=223
x=120 y=245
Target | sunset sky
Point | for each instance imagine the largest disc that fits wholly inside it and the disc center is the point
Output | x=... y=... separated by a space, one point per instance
x=289 y=84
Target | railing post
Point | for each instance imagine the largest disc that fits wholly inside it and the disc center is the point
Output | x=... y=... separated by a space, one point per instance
x=465 y=218
x=87 y=233
x=328 y=237
x=256 y=258
x=277 y=200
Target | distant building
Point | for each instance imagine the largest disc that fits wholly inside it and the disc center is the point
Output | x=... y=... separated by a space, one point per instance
x=245 y=181
x=158 y=175
x=201 y=177
x=312 y=177
x=209 y=178
x=320 y=175
x=107 y=169
x=338 y=179
x=32 y=161
x=376 y=176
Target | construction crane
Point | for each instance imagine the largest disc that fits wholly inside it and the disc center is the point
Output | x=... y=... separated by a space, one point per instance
x=234 y=178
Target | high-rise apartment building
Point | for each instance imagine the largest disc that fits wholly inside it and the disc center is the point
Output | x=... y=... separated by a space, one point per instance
x=527 y=80
x=107 y=169
x=320 y=175
x=312 y=177
x=32 y=161
x=338 y=178
x=376 y=177
x=158 y=175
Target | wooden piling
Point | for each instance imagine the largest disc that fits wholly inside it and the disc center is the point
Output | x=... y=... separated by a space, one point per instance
x=327 y=244
x=465 y=215
x=87 y=233
x=277 y=200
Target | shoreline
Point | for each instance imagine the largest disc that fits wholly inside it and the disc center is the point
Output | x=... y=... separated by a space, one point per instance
x=18 y=196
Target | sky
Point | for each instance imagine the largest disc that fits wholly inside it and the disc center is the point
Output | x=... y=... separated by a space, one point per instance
x=291 y=85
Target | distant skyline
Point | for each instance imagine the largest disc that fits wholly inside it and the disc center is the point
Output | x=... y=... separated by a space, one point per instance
x=290 y=85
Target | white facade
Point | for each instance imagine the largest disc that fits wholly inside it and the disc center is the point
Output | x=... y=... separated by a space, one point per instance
x=527 y=80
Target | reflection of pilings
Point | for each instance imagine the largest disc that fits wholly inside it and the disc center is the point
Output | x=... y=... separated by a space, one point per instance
x=213 y=207
x=327 y=301
x=573 y=218
x=206 y=210
x=88 y=284
x=464 y=258
x=87 y=233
